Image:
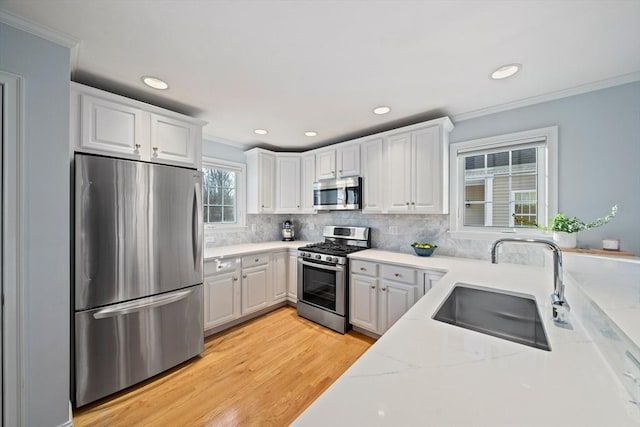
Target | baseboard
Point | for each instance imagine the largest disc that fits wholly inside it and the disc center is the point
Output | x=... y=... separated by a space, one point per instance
x=365 y=332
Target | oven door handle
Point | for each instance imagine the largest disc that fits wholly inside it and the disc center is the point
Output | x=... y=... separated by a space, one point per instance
x=322 y=266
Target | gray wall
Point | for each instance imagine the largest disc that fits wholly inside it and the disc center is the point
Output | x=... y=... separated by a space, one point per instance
x=599 y=155
x=219 y=150
x=45 y=305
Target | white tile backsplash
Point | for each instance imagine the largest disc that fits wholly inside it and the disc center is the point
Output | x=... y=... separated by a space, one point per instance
x=393 y=232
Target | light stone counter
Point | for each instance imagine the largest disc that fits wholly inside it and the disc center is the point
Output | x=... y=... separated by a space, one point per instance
x=423 y=372
x=249 y=248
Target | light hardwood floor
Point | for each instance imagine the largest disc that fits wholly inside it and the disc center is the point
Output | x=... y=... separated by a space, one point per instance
x=262 y=373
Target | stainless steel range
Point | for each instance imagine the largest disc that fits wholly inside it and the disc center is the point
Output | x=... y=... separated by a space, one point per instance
x=323 y=276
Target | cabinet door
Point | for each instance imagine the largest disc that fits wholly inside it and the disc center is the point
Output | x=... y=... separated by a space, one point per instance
x=308 y=178
x=363 y=302
x=280 y=274
x=174 y=141
x=348 y=159
x=255 y=289
x=395 y=300
x=372 y=175
x=398 y=177
x=430 y=279
x=288 y=184
x=112 y=128
x=427 y=167
x=267 y=182
x=326 y=165
x=292 y=279
x=221 y=299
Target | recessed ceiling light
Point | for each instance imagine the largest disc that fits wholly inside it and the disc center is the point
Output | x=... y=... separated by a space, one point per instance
x=155 y=82
x=260 y=132
x=311 y=133
x=506 y=71
x=381 y=110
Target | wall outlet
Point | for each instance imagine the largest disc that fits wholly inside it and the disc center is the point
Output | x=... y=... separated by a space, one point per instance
x=393 y=229
x=254 y=227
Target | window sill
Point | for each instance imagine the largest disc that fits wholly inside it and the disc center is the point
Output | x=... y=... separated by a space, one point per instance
x=498 y=234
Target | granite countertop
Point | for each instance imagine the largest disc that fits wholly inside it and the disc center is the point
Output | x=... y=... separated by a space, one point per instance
x=250 y=248
x=425 y=372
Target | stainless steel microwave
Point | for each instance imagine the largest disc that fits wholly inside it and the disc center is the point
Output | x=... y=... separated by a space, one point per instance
x=337 y=194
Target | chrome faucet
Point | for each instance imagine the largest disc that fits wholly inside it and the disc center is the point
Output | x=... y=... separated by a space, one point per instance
x=560 y=305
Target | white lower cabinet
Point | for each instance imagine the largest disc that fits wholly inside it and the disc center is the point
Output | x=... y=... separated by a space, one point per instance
x=256 y=286
x=221 y=292
x=381 y=293
x=292 y=276
x=237 y=287
x=280 y=272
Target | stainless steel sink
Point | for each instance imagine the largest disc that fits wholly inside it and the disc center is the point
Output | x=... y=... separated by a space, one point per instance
x=511 y=317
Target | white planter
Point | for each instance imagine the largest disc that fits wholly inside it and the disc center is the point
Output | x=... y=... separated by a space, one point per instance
x=565 y=240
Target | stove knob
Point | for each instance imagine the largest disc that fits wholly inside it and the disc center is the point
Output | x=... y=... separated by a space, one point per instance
x=329 y=259
x=304 y=254
x=318 y=256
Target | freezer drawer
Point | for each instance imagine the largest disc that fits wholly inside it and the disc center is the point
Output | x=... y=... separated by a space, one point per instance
x=122 y=344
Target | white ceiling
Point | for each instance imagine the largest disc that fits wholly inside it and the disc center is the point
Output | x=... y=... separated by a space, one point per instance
x=293 y=66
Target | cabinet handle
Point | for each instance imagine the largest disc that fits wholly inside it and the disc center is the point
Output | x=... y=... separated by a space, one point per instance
x=363 y=269
x=373 y=286
x=407 y=203
x=383 y=289
x=138 y=146
x=235 y=278
x=263 y=206
x=256 y=260
x=413 y=203
x=340 y=171
x=155 y=149
x=397 y=274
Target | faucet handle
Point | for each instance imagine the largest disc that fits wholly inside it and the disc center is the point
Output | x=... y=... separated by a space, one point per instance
x=561 y=309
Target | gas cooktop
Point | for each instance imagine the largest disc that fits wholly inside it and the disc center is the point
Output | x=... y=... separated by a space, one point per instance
x=331 y=248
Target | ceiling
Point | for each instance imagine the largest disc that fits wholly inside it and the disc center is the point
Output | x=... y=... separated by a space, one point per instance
x=294 y=66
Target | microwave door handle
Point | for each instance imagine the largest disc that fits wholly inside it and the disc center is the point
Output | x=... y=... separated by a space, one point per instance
x=344 y=202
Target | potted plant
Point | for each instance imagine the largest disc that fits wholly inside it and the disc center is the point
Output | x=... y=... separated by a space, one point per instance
x=565 y=228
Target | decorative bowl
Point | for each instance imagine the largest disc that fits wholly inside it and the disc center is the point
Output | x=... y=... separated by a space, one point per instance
x=424 y=251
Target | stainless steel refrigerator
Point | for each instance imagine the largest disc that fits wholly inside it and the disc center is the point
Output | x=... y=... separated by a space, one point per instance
x=138 y=272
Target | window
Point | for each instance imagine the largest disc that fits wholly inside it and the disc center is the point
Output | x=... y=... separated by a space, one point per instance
x=504 y=183
x=223 y=193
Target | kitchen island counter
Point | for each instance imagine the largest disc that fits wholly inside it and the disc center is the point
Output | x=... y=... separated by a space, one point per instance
x=425 y=372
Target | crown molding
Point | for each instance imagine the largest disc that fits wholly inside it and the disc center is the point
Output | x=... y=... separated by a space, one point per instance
x=224 y=141
x=552 y=96
x=39 y=30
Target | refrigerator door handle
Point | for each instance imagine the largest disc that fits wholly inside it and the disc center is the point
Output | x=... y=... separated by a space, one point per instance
x=142 y=304
x=197 y=219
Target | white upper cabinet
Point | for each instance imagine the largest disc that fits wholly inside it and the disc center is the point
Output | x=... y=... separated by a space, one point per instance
x=174 y=141
x=111 y=127
x=306 y=188
x=104 y=123
x=348 y=160
x=373 y=176
x=261 y=180
x=417 y=173
x=288 y=183
x=325 y=165
x=338 y=162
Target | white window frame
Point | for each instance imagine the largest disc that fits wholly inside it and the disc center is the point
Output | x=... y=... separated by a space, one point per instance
x=547 y=182
x=241 y=193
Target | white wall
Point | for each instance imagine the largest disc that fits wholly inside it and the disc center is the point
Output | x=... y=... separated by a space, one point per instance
x=44 y=67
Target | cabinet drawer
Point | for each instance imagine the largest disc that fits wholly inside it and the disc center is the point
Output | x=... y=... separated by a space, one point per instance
x=254 y=260
x=399 y=274
x=364 y=267
x=221 y=265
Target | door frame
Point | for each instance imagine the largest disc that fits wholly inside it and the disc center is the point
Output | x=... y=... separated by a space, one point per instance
x=12 y=247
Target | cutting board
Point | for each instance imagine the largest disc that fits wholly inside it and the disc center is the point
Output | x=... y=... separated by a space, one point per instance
x=599 y=252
